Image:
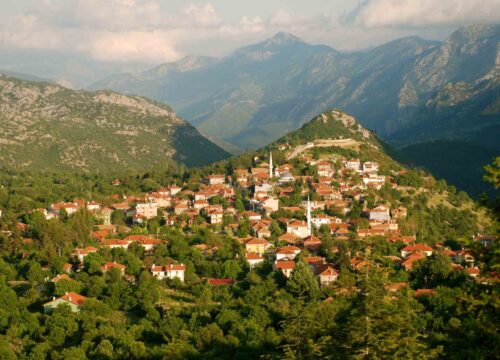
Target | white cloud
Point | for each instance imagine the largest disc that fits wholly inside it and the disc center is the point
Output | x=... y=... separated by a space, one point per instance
x=202 y=15
x=420 y=13
x=27 y=32
x=146 y=46
x=104 y=15
x=149 y=31
x=251 y=24
x=282 y=18
x=114 y=30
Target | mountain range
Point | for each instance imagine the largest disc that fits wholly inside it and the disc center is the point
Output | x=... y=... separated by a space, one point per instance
x=75 y=71
x=49 y=127
x=409 y=91
x=261 y=91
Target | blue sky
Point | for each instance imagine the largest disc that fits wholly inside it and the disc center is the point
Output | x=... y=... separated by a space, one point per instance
x=156 y=31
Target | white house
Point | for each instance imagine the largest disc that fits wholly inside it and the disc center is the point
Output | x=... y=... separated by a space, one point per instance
x=270 y=203
x=254 y=259
x=145 y=210
x=74 y=300
x=327 y=274
x=370 y=167
x=373 y=179
x=421 y=248
x=80 y=254
x=285 y=266
x=354 y=164
x=93 y=206
x=298 y=228
x=174 y=190
x=115 y=243
x=251 y=215
x=324 y=168
x=287 y=252
x=216 y=179
x=170 y=271
x=263 y=188
x=321 y=219
x=380 y=213
x=286 y=177
x=216 y=216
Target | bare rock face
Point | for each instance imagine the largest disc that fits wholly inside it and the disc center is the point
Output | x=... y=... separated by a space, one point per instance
x=136 y=103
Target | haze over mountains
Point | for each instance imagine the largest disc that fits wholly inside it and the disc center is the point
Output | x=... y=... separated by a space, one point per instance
x=261 y=91
x=69 y=70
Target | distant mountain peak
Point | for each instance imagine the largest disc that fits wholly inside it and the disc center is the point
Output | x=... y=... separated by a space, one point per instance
x=266 y=49
x=284 y=38
x=185 y=64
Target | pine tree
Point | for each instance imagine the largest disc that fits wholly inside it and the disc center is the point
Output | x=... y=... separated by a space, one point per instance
x=386 y=326
x=303 y=283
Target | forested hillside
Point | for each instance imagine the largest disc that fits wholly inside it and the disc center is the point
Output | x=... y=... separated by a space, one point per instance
x=48 y=127
x=319 y=246
x=460 y=163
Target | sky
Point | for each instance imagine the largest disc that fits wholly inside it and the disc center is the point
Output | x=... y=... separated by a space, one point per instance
x=157 y=31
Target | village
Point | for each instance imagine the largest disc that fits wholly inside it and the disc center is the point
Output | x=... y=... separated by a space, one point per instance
x=270 y=230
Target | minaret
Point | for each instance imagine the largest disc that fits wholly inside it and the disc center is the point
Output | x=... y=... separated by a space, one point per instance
x=309 y=216
x=270 y=165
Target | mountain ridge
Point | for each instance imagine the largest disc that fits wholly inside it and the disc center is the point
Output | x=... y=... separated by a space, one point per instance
x=262 y=94
x=46 y=126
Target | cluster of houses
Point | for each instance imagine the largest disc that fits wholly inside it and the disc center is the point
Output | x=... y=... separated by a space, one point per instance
x=331 y=187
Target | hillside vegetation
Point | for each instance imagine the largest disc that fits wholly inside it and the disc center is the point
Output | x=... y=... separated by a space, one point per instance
x=48 y=127
x=416 y=283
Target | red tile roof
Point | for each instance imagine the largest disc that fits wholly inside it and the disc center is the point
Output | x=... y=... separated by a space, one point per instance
x=410 y=260
x=315 y=260
x=416 y=247
x=213 y=281
x=298 y=223
x=257 y=241
x=114 y=242
x=253 y=256
x=473 y=271
x=168 y=267
x=87 y=250
x=285 y=264
x=74 y=298
x=395 y=286
x=424 y=292
x=111 y=265
x=288 y=250
x=326 y=270
x=61 y=277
